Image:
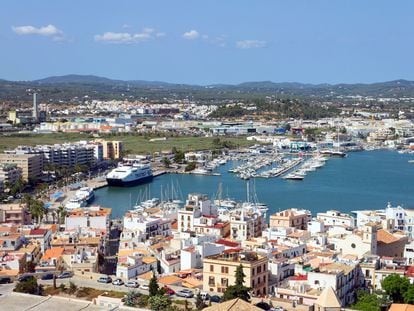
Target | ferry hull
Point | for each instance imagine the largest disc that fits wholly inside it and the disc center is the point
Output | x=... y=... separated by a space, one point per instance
x=120 y=183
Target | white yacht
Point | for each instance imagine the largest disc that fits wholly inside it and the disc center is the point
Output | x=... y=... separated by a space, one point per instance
x=75 y=203
x=85 y=193
x=129 y=174
x=201 y=171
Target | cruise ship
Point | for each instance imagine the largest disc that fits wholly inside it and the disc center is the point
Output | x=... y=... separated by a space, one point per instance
x=129 y=174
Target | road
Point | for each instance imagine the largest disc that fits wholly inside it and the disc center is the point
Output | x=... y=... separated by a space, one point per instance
x=6 y=288
x=81 y=282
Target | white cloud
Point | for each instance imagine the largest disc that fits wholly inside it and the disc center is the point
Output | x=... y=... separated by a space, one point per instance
x=250 y=44
x=160 y=34
x=128 y=38
x=191 y=35
x=47 y=31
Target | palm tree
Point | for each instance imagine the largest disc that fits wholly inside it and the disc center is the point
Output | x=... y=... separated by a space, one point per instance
x=61 y=214
x=53 y=216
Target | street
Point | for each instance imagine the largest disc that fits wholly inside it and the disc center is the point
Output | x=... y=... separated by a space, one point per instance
x=82 y=282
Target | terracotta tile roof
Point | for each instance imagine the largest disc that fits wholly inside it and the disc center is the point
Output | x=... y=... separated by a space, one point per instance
x=233 y=305
x=227 y=243
x=38 y=232
x=401 y=307
x=384 y=236
x=146 y=276
x=191 y=282
x=149 y=260
x=54 y=252
x=169 y=280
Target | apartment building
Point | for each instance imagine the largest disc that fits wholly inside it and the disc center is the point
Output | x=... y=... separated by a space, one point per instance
x=336 y=218
x=344 y=280
x=195 y=206
x=291 y=218
x=94 y=217
x=244 y=226
x=10 y=173
x=30 y=164
x=111 y=150
x=219 y=271
x=15 y=213
x=149 y=226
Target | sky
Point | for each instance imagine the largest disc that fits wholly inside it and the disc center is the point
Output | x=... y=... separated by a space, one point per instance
x=207 y=42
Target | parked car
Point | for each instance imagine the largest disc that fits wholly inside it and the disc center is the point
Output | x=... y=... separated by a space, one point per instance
x=118 y=282
x=47 y=276
x=5 y=280
x=133 y=284
x=168 y=290
x=105 y=279
x=144 y=286
x=64 y=275
x=186 y=293
x=25 y=278
x=263 y=305
x=215 y=298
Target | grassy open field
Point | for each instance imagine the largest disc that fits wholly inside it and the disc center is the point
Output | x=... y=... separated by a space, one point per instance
x=132 y=144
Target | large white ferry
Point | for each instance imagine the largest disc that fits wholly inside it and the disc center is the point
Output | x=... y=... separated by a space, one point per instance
x=129 y=174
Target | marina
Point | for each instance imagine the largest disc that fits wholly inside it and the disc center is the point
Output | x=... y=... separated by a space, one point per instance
x=343 y=183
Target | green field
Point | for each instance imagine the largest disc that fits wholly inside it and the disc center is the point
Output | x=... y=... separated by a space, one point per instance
x=132 y=143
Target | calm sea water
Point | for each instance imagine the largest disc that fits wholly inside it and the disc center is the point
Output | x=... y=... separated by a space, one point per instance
x=362 y=180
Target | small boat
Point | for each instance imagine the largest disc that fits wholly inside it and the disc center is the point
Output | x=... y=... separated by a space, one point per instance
x=201 y=171
x=294 y=176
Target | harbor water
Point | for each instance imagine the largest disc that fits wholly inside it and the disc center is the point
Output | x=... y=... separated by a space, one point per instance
x=362 y=180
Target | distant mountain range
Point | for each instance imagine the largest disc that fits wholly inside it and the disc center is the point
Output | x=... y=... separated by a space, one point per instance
x=69 y=86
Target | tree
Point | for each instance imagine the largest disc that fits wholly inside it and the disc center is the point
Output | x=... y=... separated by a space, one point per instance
x=153 y=286
x=238 y=290
x=166 y=162
x=159 y=303
x=132 y=298
x=199 y=303
x=29 y=267
x=409 y=295
x=61 y=214
x=28 y=287
x=366 y=302
x=72 y=288
x=396 y=286
x=178 y=156
x=190 y=166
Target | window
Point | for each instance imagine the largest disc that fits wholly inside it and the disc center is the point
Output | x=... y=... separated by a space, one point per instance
x=211 y=268
x=211 y=281
x=225 y=270
x=259 y=269
x=224 y=282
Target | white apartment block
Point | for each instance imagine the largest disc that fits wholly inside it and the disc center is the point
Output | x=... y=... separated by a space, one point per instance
x=335 y=218
x=94 y=217
x=244 y=226
x=149 y=226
